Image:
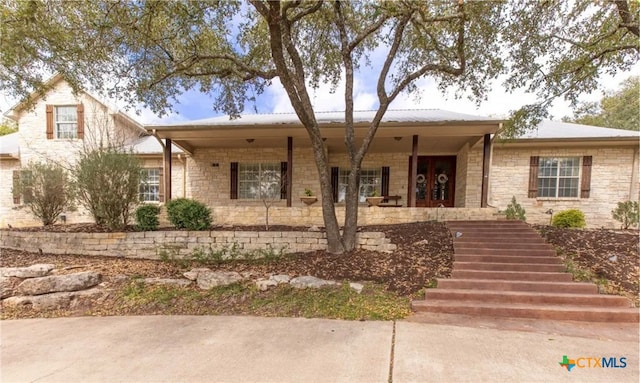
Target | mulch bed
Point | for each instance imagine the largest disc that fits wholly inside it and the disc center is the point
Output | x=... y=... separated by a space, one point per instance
x=608 y=254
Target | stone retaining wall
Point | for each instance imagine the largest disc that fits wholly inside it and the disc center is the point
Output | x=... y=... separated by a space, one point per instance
x=153 y=244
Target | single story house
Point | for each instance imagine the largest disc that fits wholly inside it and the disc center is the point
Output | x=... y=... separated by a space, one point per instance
x=429 y=164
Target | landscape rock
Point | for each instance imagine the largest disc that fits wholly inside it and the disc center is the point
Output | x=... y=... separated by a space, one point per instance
x=308 y=281
x=314 y=228
x=207 y=280
x=61 y=300
x=58 y=283
x=264 y=284
x=33 y=271
x=357 y=287
x=192 y=275
x=280 y=278
x=7 y=286
x=168 y=282
x=420 y=243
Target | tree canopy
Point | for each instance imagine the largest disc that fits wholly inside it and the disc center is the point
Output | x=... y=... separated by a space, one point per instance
x=618 y=109
x=150 y=52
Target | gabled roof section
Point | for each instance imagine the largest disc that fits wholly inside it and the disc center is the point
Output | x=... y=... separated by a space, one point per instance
x=409 y=116
x=114 y=110
x=10 y=146
x=149 y=145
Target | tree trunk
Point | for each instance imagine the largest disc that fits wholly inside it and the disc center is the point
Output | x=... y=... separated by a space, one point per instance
x=334 y=240
x=351 y=208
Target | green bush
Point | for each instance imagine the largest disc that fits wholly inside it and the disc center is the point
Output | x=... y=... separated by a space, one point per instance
x=107 y=184
x=45 y=189
x=147 y=217
x=515 y=210
x=188 y=214
x=627 y=213
x=569 y=218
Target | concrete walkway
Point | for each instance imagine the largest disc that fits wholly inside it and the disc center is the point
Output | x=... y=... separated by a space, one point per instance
x=249 y=349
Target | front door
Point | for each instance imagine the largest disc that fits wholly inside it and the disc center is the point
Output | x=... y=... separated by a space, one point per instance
x=435 y=181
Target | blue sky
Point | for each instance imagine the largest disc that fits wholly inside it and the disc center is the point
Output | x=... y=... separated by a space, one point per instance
x=194 y=105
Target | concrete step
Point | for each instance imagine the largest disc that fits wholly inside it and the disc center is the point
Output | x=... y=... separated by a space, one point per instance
x=501 y=245
x=493 y=258
x=512 y=275
x=556 y=312
x=495 y=235
x=485 y=223
x=495 y=266
x=510 y=285
x=507 y=252
x=524 y=297
x=490 y=242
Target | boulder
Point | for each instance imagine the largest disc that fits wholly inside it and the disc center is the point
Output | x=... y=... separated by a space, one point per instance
x=207 y=280
x=62 y=300
x=192 y=274
x=33 y=271
x=308 y=281
x=357 y=287
x=264 y=284
x=7 y=286
x=168 y=282
x=58 y=283
x=280 y=278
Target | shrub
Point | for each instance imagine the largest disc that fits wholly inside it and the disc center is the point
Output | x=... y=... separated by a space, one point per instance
x=107 y=184
x=188 y=214
x=515 y=210
x=569 y=218
x=147 y=217
x=46 y=191
x=627 y=213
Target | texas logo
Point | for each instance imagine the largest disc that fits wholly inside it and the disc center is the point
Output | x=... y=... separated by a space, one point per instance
x=592 y=362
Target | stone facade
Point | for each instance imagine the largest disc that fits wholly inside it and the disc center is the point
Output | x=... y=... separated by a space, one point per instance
x=612 y=180
x=155 y=244
x=100 y=125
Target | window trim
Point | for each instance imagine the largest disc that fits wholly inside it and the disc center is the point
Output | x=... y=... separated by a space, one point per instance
x=236 y=180
x=341 y=173
x=147 y=184
x=56 y=123
x=556 y=197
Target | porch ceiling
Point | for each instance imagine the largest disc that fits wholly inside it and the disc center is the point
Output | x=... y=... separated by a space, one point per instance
x=434 y=137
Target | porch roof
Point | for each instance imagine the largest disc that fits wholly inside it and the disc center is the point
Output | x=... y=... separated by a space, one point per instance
x=452 y=129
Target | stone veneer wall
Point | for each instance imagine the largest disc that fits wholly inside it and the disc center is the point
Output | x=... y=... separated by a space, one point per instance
x=611 y=181
x=151 y=244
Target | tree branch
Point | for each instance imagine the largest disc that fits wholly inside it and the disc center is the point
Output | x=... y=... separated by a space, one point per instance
x=627 y=18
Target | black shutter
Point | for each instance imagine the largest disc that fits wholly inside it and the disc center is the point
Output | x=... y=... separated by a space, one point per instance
x=533 y=176
x=233 y=180
x=385 y=181
x=283 y=180
x=335 y=179
x=585 y=184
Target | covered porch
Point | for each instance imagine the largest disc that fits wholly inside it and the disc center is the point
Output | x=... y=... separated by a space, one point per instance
x=424 y=162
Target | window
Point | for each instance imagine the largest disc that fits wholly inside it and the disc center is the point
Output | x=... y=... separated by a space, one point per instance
x=66 y=122
x=558 y=177
x=150 y=185
x=22 y=187
x=370 y=181
x=259 y=181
